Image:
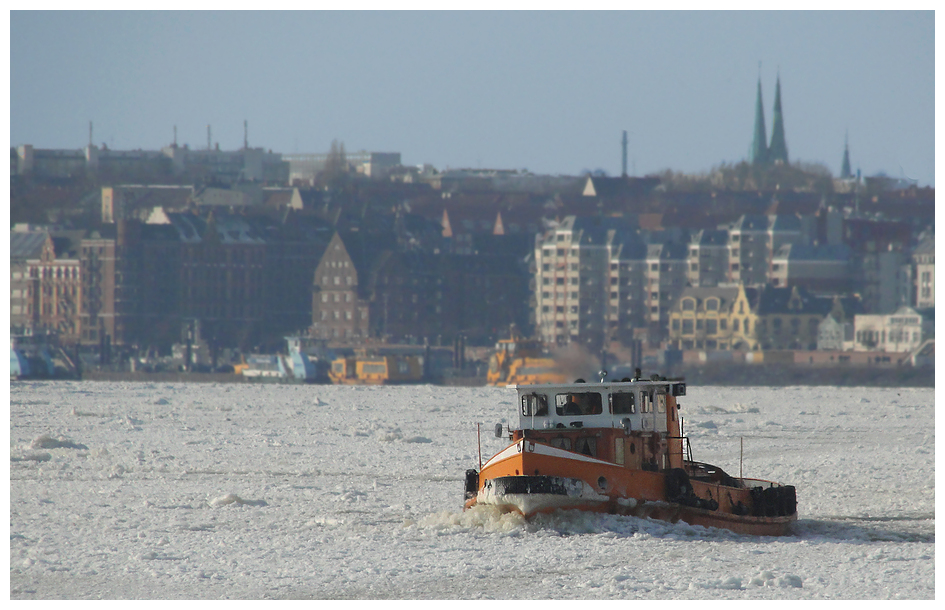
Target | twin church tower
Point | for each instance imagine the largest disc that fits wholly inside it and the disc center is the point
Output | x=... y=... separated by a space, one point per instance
x=761 y=152
x=775 y=153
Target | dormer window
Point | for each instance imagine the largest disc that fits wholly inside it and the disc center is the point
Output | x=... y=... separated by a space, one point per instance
x=689 y=305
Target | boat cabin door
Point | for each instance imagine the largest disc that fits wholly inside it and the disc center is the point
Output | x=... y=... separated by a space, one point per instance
x=653 y=414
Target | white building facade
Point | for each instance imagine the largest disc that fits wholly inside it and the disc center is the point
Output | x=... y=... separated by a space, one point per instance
x=901 y=331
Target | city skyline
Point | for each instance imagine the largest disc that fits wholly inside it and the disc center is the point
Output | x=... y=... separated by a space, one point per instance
x=547 y=91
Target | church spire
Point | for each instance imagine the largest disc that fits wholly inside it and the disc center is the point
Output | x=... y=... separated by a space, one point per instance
x=845 y=172
x=778 y=149
x=759 y=142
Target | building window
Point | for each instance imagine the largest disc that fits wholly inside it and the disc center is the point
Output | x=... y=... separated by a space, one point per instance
x=689 y=304
x=711 y=327
x=687 y=327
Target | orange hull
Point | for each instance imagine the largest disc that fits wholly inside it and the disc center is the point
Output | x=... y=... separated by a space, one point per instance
x=530 y=477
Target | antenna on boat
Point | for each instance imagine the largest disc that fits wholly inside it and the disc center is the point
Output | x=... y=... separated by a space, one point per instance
x=741 y=455
x=479 y=441
x=602 y=373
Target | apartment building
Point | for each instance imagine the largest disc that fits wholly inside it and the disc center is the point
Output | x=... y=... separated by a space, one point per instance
x=667 y=266
x=708 y=258
x=597 y=281
x=817 y=268
x=883 y=278
x=923 y=259
x=571 y=262
x=627 y=308
x=753 y=240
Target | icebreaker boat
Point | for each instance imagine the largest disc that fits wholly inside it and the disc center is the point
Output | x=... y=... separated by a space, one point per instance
x=618 y=447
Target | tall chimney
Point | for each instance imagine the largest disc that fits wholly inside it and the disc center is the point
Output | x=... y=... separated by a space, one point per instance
x=624 y=166
x=245 y=133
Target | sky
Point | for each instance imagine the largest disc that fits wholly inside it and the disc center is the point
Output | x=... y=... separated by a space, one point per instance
x=550 y=92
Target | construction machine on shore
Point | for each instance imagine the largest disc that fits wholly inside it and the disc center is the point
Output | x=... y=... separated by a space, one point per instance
x=522 y=361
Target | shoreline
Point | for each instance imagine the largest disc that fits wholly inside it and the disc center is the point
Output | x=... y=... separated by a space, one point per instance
x=764 y=375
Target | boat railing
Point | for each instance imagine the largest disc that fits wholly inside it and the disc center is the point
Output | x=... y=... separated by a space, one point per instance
x=686 y=447
x=758 y=482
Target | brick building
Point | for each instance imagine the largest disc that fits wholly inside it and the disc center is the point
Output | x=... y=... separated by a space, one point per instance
x=368 y=288
x=45 y=282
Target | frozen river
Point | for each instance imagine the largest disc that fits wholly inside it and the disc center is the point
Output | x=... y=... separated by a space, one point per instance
x=232 y=491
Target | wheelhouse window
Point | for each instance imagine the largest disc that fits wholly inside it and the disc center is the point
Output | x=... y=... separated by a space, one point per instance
x=534 y=404
x=622 y=403
x=646 y=402
x=578 y=403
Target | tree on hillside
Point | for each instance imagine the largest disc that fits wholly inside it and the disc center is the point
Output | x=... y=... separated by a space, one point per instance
x=335 y=173
x=744 y=176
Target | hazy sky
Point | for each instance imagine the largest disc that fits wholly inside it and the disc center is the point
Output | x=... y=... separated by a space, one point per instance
x=550 y=92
